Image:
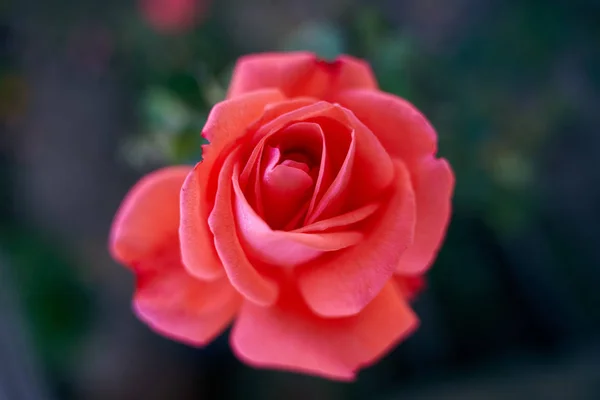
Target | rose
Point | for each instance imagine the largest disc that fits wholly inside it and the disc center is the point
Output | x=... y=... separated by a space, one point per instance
x=317 y=208
x=172 y=16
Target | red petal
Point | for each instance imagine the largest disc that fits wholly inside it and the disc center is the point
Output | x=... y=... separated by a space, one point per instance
x=299 y=74
x=242 y=274
x=179 y=306
x=346 y=283
x=228 y=121
x=370 y=173
x=144 y=236
x=288 y=186
x=283 y=248
x=289 y=336
x=401 y=128
x=333 y=198
x=148 y=217
x=342 y=220
x=434 y=184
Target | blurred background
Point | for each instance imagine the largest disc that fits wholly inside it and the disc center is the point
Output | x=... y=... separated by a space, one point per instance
x=93 y=94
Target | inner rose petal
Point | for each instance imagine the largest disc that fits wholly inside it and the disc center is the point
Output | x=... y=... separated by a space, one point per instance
x=341 y=221
x=281 y=248
x=316 y=140
x=285 y=172
x=285 y=189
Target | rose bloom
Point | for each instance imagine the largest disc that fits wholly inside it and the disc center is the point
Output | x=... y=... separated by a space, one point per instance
x=172 y=16
x=309 y=223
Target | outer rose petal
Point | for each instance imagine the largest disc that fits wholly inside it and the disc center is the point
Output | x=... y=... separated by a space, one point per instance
x=401 y=128
x=344 y=284
x=227 y=122
x=229 y=119
x=434 y=184
x=290 y=336
x=179 y=306
x=144 y=236
x=300 y=74
x=146 y=219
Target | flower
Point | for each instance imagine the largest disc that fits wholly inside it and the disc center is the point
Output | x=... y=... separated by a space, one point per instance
x=172 y=16
x=317 y=209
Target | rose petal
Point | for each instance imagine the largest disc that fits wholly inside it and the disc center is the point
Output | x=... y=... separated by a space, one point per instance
x=289 y=336
x=400 y=127
x=346 y=283
x=271 y=112
x=300 y=74
x=144 y=236
x=228 y=121
x=281 y=248
x=286 y=188
x=148 y=217
x=373 y=169
x=322 y=113
x=187 y=327
x=182 y=307
x=329 y=195
x=242 y=274
x=342 y=220
x=434 y=184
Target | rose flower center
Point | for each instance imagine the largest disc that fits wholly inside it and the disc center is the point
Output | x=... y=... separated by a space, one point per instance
x=288 y=182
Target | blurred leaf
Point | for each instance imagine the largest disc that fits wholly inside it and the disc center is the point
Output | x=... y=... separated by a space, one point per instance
x=163 y=112
x=323 y=38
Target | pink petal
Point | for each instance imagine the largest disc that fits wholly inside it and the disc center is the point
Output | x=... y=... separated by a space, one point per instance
x=228 y=121
x=285 y=188
x=273 y=111
x=176 y=305
x=401 y=128
x=144 y=236
x=367 y=171
x=281 y=248
x=333 y=198
x=288 y=336
x=434 y=184
x=242 y=274
x=344 y=284
x=185 y=326
x=148 y=217
x=342 y=220
x=299 y=74
x=373 y=170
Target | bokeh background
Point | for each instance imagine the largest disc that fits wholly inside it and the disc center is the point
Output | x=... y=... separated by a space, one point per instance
x=93 y=94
